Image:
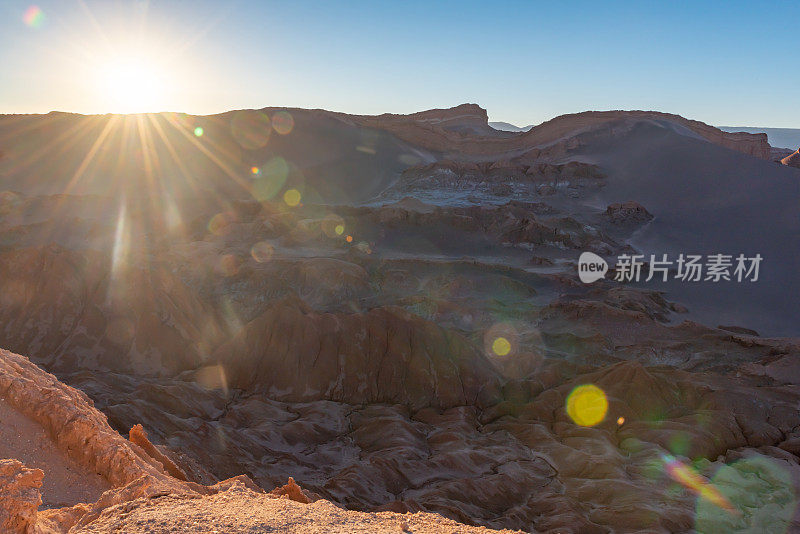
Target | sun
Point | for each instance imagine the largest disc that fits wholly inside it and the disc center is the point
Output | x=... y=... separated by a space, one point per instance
x=131 y=84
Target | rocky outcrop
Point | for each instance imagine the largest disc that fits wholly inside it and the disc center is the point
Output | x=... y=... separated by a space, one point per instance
x=240 y=509
x=82 y=433
x=792 y=160
x=384 y=355
x=292 y=491
x=71 y=420
x=508 y=170
x=138 y=436
x=19 y=496
x=628 y=213
x=73 y=307
x=436 y=128
x=779 y=153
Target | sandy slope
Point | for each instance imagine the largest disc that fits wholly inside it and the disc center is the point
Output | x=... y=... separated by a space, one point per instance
x=708 y=200
x=65 y=482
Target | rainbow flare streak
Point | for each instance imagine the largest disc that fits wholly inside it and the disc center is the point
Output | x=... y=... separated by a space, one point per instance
x=33 y=16
x=690 y=479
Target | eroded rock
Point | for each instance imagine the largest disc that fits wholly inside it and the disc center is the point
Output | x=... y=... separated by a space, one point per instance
x=19 y=496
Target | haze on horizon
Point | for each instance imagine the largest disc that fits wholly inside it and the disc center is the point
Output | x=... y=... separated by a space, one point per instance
x=720 y=62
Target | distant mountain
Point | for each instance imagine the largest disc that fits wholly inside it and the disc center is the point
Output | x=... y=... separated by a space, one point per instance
x=778 y=137
x=508 y=127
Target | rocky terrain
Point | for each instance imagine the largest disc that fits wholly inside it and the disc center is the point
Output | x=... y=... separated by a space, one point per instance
x=132 y=486
x=387 y=310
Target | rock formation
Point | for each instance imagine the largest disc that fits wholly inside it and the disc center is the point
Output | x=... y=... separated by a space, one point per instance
x=19 y=496
x=628 y=213
x=792 y=160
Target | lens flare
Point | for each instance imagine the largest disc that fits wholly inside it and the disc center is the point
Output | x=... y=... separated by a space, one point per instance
x=587 y=405
x=251 y=129
x=501 y=346
x=220 y=223
x=121 y=242
x=758 y=494
x=349 y=239
x=695 y=482
x=679 y=444
x=330 y=223
x=621 y=421
x=228 y=265
x=212 y=377
x=283 y=122
x=198 y=132
x=339 y=229
x=292 y=197
x=33 y=17
x=262 y=252
x=255 y=170
x=271 y=178
x=408 y=159
x=500 y=339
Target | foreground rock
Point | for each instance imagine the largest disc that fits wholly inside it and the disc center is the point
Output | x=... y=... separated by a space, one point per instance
x=148 y=490
x=240 y=509
x=19 y=496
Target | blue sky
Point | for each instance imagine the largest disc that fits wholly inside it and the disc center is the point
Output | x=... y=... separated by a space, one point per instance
x=725 y=63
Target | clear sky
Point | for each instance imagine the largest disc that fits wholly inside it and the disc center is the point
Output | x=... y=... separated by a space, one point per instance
x=722 y=62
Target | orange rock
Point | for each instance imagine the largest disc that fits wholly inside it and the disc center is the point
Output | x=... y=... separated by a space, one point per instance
x=19 y=496
x=792 y=160
x=292 y=491
x=138 y=436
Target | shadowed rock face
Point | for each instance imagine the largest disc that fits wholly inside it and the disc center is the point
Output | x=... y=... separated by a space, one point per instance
x=384 y=355
x=408 y=334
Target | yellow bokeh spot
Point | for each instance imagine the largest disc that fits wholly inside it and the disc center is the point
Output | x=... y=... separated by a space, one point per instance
x=292 y=197
x=621 y=421
x=501 y=346
x=255 y=170
x=339 y=229
x=587 y=405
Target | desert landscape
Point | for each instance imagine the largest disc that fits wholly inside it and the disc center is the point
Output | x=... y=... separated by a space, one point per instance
x=476 y=267
x=387 y=310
